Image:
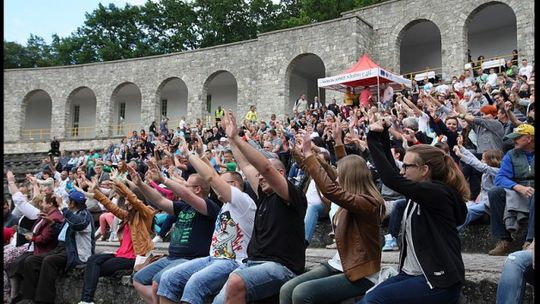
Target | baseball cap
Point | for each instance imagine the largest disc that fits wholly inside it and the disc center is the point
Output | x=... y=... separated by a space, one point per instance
x=523 y=129
x=77 y=197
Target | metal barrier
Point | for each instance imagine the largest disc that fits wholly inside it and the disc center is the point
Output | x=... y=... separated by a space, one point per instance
x=36 y=134
x=81 y=132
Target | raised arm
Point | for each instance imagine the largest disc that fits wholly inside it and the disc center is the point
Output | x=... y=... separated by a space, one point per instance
x=249 y=170
x=211 y=177
x=188 y=196
x=150 y=193
x=275 y=179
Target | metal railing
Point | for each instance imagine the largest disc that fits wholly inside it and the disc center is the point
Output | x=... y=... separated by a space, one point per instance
x=126 y=129
x=36 y=134
x=468 y=65
x=81 y=132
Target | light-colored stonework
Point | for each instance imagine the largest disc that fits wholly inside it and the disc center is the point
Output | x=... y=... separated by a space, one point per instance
x=260 y=66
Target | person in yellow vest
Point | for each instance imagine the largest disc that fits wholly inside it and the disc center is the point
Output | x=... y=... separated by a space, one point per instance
x=251 y=115
x=349 y=97
x=219 y=113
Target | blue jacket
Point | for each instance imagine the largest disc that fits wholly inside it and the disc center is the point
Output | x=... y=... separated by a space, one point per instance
x=80 y=241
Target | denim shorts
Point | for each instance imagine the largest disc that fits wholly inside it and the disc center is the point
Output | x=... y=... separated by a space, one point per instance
x=262 y=279
x=196 y=280
x=154 y=271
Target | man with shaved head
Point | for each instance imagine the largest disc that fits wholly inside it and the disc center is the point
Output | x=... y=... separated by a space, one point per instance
x=276 y=252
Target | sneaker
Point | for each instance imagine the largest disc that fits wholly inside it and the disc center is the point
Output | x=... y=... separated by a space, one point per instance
x=390 y=243
x=502 y=248
x=83 y=302
x=157 y=239
x=331 y=246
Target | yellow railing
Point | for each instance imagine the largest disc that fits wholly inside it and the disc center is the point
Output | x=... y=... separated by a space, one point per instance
x=475 y=63
x=36 y=134
x=126 y=129
x=81 y=132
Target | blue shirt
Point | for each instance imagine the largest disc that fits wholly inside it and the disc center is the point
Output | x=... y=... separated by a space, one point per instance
x=506 y=174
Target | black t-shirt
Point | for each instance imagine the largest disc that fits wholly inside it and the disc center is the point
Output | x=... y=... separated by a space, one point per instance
x=192 y=232
x=278 y=232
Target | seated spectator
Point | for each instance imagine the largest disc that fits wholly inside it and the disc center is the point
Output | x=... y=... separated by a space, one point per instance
x=75 y=245
x=9 y=219
x=513 y=194
x=489 y=166
x=357 y=222
x=276 y=252
x=518 y=270
x=192 y=232
x=135 y=230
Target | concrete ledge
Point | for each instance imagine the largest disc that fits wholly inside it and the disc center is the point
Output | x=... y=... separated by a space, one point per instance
x=482 y=276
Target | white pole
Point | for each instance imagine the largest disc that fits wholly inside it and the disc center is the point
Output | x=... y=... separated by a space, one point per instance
x=378 y=94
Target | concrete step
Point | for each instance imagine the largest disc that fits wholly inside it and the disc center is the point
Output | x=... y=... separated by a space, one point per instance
x=482 y=273
x=475 y=238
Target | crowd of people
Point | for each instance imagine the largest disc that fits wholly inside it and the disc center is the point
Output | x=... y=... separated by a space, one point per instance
x=239 y=201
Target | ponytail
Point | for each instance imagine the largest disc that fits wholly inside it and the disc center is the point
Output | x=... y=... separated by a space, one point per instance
x=456 y=179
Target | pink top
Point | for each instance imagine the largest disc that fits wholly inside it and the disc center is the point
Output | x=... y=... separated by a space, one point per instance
x=126 y=247
x=167 y=193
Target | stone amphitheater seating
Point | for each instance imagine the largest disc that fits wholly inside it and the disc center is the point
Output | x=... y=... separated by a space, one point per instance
x=482 y=271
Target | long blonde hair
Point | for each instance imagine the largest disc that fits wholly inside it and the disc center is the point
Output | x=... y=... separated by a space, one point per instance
x=355 y=177
x=442 y=167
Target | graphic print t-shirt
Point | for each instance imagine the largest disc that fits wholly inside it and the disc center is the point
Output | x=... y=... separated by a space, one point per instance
x=233 y=227
x=192 y=232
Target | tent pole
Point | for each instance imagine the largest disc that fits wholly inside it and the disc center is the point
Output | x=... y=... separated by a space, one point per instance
x=378 y=94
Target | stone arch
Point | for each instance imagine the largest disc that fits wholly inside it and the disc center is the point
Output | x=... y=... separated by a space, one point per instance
x=36 y=112
x=490 y=30
x=175 y=91
x=301 y=78
x=419 y=45
x=81 y=124
x=129 y=94
x=220 y=89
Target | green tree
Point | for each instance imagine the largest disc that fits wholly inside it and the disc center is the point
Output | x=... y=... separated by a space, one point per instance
x=15 y=56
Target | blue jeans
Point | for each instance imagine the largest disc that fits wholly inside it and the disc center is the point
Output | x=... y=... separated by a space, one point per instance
x=405 y=289
x=394 y=222
x=512 y=283
x=196 y=280
x=154 y=271
x=474 y=212
x=313 y=212
x=262 y=279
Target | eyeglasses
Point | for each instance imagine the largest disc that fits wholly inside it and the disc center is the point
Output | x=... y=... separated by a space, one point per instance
x=405 y=166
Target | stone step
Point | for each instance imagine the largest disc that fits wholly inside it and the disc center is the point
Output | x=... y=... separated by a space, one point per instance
x=482 y=273
x=475 y=238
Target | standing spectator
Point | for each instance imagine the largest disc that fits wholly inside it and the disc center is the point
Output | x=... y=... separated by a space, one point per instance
x=164 y=127
x=489 y=131
x=333 y=107
x=301 y=104
x=316 y=104
x=219 y=113
x=153 y=128
x=251 y=115
x=514 y=185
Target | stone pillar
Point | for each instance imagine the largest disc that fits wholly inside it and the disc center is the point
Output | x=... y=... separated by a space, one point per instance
x=149 y=108
x=104 y=110
x=525 y=29
x=58 y=116
x=13 y=117
x=453 y=51
x=196 y=105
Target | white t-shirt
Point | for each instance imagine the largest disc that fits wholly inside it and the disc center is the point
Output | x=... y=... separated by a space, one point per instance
x=234 y=227
x=312 y=194
x=423 y=122
x=442 y=89
x=526 y=71
x=492 y=80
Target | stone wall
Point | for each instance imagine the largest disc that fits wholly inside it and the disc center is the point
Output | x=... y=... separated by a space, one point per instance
x=260 y=66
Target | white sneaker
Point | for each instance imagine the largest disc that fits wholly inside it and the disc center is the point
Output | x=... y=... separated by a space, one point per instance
x=83 y=302
x=157 y=239
x=390 y=243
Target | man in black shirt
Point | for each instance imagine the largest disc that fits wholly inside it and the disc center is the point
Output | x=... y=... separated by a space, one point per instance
x=276 y=252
